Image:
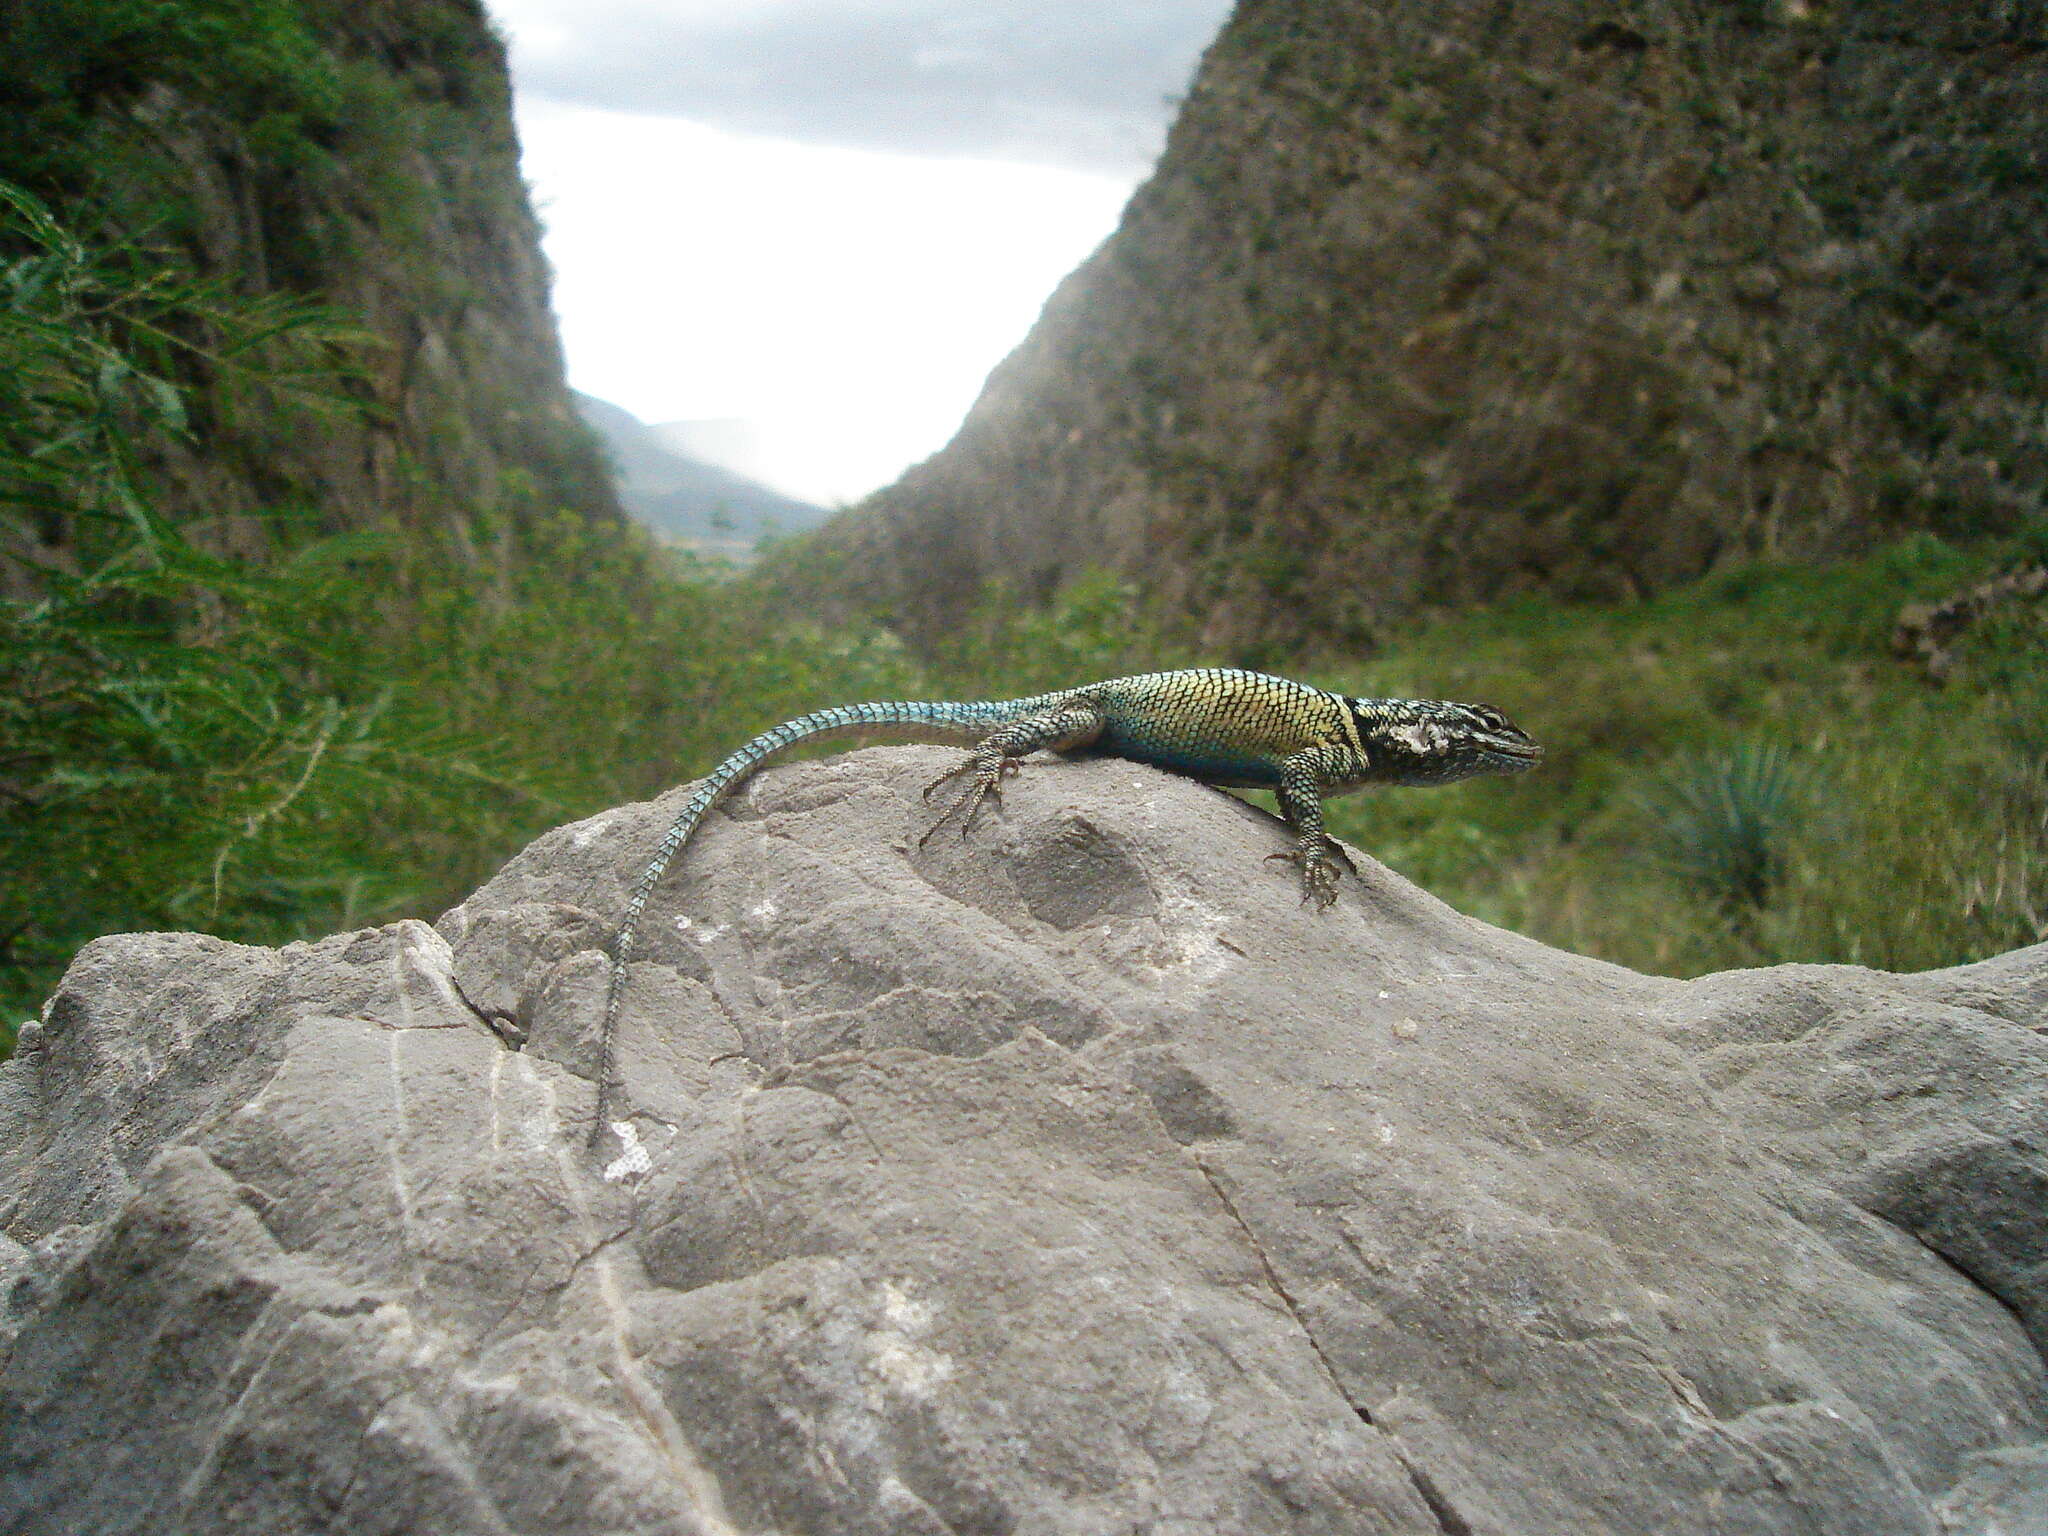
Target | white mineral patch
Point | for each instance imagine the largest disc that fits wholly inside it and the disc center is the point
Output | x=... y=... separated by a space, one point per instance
x=632 y=1159
x=584 y=833
x=422 y=952
x=904 y=1310
x=894 y=1354
x=1187 y=948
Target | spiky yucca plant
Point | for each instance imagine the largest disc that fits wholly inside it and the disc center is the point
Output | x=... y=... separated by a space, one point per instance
x=1721 y=823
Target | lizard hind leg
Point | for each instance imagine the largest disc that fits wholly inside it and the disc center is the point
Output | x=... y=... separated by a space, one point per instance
x=995 y=758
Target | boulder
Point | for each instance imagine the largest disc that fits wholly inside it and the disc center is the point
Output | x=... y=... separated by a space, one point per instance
x=1065 y=1180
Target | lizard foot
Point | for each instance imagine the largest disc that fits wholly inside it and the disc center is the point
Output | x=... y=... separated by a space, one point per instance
x=988 y=785
x=1319 y=857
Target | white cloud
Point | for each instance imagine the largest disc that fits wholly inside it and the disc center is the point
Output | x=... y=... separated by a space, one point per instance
x=846 y=304
x=1068 y=82
x=829 y=219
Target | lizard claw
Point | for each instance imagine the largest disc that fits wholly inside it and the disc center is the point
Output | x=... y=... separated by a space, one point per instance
x=1319 y=858
x=946 y=778
x=985 y=789
x=987 y=785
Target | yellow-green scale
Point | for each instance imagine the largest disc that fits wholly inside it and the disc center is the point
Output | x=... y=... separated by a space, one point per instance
x=1218 y=724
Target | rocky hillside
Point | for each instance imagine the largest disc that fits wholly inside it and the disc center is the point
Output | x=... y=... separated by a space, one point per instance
x=1432 y=302
x=356 y=154
x=1073 y=1178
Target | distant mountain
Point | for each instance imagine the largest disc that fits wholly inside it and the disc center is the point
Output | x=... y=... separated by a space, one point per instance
x=686 y=501
x=729 y=442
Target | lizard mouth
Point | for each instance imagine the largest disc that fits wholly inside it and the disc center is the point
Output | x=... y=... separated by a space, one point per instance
x=1524 y=754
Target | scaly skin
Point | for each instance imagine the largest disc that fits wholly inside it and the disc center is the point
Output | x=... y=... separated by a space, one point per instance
x=1218 y=725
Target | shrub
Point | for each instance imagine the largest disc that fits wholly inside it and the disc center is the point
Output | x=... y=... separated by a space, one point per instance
x=1722 y=822
x=179 y=749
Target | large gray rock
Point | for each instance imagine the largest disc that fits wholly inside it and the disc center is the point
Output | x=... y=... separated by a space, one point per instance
x=1069 y=1180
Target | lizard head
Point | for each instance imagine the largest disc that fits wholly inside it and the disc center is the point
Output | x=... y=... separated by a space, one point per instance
x=1433 y=741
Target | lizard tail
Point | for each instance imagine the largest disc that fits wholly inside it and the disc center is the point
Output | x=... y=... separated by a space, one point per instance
x=903 y=719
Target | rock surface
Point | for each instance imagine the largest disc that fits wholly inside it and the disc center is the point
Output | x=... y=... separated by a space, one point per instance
x=1072 y=1179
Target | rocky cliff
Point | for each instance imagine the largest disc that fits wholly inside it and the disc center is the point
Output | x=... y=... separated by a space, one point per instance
x=360 y=155
x=1070 y=1179
x=1432 y=302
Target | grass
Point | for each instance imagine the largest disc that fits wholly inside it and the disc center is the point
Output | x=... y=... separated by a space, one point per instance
x=1739 y=772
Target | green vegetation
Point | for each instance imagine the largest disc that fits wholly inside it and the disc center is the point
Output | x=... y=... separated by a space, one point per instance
x=348 y=154
x=339 y=729
x=258 y=63
x=1721 y=823
x=161 y=708
x=1739 y=772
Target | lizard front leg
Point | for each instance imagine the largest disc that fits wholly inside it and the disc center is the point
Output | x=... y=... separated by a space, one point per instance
x=1301 y=801
x=995 y=758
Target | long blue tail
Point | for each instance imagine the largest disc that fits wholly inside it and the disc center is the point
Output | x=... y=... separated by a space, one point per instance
x=899 y=719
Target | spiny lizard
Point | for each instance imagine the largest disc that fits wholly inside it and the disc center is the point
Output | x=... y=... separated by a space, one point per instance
x=1214 y=724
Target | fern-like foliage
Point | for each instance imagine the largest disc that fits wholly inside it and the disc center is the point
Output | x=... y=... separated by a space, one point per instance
x=179 y=746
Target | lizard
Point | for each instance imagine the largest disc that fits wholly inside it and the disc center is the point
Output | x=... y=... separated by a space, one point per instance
x=1218 y=725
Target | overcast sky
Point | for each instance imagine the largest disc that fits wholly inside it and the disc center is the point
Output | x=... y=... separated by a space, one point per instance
x=828 y=218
